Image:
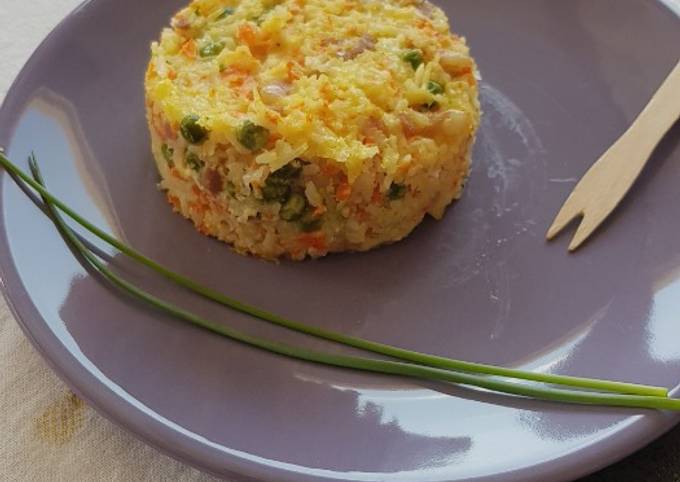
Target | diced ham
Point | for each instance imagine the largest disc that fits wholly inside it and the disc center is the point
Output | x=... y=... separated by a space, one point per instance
x=454 y=63
x=426 y=8
x=275 y=90
x=373 y=130
x=365 y=42
x=409 y=128
x=212 y=181
x=180 y=22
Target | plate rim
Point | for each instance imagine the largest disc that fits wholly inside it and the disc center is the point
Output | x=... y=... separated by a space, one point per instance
x=636 y=433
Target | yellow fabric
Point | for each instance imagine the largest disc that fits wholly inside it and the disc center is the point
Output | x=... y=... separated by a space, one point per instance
x=49 y=434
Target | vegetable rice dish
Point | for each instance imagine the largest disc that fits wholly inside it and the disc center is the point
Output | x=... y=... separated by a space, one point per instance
x=297 y=128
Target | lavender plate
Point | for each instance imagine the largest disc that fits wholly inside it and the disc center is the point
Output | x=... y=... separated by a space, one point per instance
x=561 y=82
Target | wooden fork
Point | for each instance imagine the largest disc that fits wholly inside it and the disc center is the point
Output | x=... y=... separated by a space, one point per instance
x=606 y=183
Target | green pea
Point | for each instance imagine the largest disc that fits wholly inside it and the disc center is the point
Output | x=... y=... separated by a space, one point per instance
x=252 y=136
x=191 y=130
x=168 y=152
x=435 y=88
x=278 y=185
x=211 y=49
x=310 y=223
x=289 y=171
x=194 y=162
x=294 y=208
x=225 y=13
x=397 y=191
x=275 y=192
x=413 y=57
x=311 y=226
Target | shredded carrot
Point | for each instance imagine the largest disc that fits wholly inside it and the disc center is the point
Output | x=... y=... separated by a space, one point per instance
x=273 y=117
x=176 y=174
x=470 y=77
x=235 y=76
x=465 y=71
x=319 y=210
x=362 y=215
x=169 y=133
x=160 y=130
x=198 y=207
x=189 y=49
x=313 y=240
x=343 y=191
x=246 y=34
x=174 y=202
x=243 y=90
x=151 y=72
x=403 y=168
x=376 y=198
x=329 y=170
x=203 y=228
x=292 y=74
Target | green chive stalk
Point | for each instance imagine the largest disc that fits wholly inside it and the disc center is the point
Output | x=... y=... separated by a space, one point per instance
x=379 y=348
x=353 y=362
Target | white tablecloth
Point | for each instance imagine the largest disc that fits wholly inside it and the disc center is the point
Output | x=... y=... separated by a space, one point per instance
x=46 y=433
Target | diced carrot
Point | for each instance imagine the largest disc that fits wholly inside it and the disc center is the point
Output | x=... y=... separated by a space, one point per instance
x=172 y=75
x=343 y=191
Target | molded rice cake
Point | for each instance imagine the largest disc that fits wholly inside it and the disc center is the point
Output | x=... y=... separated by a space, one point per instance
x=302 y=127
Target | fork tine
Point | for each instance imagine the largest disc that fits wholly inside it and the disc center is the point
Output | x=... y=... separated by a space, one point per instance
x=569 y=211
x=587 y=226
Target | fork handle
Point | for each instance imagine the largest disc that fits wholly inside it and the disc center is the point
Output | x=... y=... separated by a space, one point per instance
x=656 y=119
